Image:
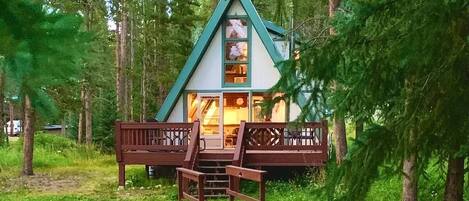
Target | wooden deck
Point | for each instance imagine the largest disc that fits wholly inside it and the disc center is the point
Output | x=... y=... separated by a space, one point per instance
x=258 y=144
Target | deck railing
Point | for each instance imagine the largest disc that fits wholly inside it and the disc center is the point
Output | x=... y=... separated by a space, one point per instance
x=184 y=176
x=269 y=136
x=142 y=143
x=237 y=173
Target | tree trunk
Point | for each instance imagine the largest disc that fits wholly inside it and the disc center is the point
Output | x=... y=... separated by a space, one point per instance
x=12 y=118
x=143 y=90
x=3 y=134
x=123 y=62
x=62 y=123
x=28 y=142
x=132 y=63
x=340 y=138
x=410 y=183
x=455 y=179
x=88 y=118
x=80 y=117
x=339 y=121
x=358 y=128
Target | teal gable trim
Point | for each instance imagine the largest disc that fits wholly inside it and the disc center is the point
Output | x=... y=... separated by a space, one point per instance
x=193 y=60
x=274 y=28
x=202 y=45
x=261 y=30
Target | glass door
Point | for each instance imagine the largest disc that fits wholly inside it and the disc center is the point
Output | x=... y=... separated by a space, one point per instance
x=207 y=108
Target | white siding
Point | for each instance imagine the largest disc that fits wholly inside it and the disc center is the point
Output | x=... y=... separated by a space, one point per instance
x=295 y=111
x=207 y=76
x=237 y=9
x=264 y=75
x=177 y=115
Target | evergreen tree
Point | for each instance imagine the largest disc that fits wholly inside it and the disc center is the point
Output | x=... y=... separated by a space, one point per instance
x=44 y=47
x=403 y=68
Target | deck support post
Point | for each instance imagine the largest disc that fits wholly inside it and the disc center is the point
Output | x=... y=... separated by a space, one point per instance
x=262 y=189
x=121 y=175
x=201 y=191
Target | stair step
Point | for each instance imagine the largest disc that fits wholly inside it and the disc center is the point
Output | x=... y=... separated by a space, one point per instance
x=215 y=188
x=217 y=196
x=216 y=174
x=218 y=181
x=211 y=167
x=215 y=160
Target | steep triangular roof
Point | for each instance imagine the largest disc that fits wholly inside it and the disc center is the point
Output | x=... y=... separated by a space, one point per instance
x=204 y=42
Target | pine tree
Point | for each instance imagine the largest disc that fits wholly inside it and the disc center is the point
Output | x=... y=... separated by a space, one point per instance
x=43 y=53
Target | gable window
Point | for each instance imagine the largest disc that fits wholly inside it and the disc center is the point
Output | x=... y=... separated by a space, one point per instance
x=236 y=51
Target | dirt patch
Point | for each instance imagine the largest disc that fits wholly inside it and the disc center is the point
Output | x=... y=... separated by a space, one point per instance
x=42 y=183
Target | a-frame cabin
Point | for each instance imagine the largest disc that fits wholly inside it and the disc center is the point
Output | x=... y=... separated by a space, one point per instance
x=211 y=117
x=226 y=76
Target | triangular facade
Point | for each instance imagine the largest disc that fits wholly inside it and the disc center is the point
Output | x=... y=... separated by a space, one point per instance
x=263 y=31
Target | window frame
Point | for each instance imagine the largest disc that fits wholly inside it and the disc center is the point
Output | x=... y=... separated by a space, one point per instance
x=226 y=62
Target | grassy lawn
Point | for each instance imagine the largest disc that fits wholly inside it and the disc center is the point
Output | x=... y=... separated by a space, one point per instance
x=66 y=171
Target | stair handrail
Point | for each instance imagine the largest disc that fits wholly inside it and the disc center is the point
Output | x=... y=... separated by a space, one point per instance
x=193 y=148
x=238 y=158
x=236 y=173
x=184 y=176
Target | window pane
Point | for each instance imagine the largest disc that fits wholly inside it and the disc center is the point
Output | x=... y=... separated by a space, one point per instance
x=236 y=28
x=278 y=110
x=236 y=51
x=236 y=73
x=235 y=110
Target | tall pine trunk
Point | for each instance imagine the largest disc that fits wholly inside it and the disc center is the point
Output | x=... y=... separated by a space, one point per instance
x=88 y=118
x=455 y=179
x=3 y=134
x=409 y=169
x=340 y=138
x=339 y=121
x=11 y=109
x=358 y=128
x=410 y=181
x=81 y=120
x=130 y=91
x=28 y=142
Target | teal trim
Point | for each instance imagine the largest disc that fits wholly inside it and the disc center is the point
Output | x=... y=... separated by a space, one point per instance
x=248 y=62
x=202 y=45
x=193 y=60
x=274 y=28
x=261 y=30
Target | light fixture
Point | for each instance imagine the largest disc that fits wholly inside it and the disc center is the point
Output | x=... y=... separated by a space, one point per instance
x=239 y=101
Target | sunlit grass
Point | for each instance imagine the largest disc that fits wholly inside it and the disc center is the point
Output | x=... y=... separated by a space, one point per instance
x=87 y=174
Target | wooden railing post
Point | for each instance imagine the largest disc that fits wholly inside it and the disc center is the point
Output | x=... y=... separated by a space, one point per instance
x=184 y=176
x=118 y=149
x=324 y=143
x=118 y=140
x=194 y=146
x=235 y=172
x=239 y=151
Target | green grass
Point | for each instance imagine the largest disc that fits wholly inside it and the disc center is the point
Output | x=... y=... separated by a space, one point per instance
x=66 y=171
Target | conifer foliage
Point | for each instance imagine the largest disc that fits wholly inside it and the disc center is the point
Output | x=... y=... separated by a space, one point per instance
x=403 y=66
x=42 y=50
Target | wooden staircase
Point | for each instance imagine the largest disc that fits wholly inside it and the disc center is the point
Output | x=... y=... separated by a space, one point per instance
x=216 y=180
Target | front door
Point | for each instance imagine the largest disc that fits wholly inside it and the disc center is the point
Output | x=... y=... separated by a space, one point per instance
x=209 y=110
